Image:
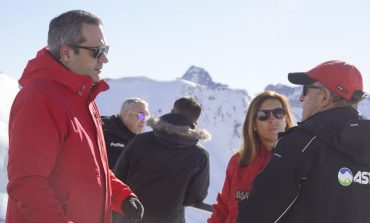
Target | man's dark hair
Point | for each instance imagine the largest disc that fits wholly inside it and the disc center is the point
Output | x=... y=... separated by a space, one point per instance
x=188 y=107
x=66 y=29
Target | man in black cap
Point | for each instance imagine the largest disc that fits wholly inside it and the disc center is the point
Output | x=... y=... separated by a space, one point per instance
x=320 y=170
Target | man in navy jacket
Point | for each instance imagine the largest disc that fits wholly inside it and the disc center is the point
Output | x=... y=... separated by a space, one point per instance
x=320 y=170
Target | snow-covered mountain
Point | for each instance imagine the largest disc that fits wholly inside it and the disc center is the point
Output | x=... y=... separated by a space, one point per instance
x=223 y=112
x=201 y=76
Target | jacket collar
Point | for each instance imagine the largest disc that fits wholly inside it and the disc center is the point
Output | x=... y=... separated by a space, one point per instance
x=330 y=121
x=343 y=130
x=45 y=66
x=114 y=125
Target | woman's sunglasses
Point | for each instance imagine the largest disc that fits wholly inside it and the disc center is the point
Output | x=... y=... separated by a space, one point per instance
x=264 y=115
x=96 y=51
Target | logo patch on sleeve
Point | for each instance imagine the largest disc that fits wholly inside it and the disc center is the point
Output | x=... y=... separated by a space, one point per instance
x=241 y=194
x=117 y=144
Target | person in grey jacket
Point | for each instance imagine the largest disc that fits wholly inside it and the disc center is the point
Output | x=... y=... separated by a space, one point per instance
x=320 y=170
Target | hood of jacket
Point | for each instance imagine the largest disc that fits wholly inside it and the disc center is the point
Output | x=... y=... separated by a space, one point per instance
x=177 y=131
x=46 y=67
x=343 y=130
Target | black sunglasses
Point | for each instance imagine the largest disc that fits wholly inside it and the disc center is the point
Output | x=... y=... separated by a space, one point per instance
x=278 y=113
x=306 y=87
x=97 y=51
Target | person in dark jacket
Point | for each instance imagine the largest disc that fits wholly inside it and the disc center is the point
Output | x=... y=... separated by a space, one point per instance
x=120 y=128
x=166 y=167
x=320 y=170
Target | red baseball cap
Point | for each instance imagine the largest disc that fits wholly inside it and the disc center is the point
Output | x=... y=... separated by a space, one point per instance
x=340 y=77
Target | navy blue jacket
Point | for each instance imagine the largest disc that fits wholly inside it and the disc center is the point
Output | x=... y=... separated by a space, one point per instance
x=319 y=172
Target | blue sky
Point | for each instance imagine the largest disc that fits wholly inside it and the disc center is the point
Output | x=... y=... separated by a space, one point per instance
x=246 y=44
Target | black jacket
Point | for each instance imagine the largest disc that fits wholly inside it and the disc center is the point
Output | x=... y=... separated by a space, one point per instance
x=166 y=168
x=116 y=136
x=319 y=172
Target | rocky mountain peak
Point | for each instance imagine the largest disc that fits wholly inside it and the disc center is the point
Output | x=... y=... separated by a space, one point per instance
x=201 y=76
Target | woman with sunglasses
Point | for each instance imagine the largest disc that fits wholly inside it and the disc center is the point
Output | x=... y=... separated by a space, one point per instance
x=267 y=115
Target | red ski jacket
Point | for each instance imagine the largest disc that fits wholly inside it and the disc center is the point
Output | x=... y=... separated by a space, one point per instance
x=58 y=169
x=237 y=186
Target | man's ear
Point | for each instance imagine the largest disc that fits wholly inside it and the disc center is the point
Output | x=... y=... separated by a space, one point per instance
x=326 y=98
x=65 y=53
x=124 y=114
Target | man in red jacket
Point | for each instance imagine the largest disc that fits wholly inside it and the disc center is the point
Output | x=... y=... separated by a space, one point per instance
x=58 y=169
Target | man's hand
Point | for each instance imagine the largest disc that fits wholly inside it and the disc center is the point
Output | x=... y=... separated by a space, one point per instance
x=133 y=209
